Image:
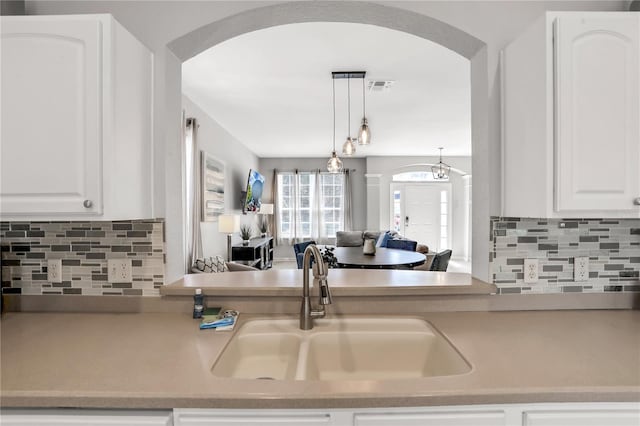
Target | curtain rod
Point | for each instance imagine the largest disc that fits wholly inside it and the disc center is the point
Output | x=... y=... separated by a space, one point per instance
x=309 y=171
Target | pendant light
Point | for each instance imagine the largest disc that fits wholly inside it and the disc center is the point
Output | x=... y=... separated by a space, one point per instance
x=334 y=165
x=349 y=146
x=441 y=170
x=364 y=134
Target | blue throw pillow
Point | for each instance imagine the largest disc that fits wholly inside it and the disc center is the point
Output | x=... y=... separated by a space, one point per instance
x=382 y=239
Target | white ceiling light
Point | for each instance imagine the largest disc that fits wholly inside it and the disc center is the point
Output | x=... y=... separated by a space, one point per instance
x=441 y=170
x=334 y=165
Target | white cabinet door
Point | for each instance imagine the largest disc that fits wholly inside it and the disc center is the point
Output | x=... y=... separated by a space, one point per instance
x=582 y=417
x=51 y=142
x=443 y=418
x=72 y=417
x=597 y=121
x=203 y=417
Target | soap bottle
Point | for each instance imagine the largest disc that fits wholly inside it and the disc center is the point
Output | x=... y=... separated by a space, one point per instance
x=198 y=304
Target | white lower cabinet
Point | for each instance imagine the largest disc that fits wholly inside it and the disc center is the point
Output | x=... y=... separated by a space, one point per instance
x=439 y=418
x=551 y=414
x=205 y=417
x=80 y=417
x=585 y=417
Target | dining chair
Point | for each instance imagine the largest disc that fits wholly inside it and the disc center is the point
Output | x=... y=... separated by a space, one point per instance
x=408 y=245
x=299 y=249
x=441 y=261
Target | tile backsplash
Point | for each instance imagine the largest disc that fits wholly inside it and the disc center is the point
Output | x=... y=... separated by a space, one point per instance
x=612 y=245
x=85 y=248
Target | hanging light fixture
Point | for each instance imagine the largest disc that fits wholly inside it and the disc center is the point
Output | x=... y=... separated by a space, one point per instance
x=441 y=170
x=334 y=165
x=364 y=134
x=349 y=146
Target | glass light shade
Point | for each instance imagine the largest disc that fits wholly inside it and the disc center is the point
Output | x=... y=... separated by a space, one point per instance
x=334 y=165
x=364 y=134
x=349 y=147
x=440 y=171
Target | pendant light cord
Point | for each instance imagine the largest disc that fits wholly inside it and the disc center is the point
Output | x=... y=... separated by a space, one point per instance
x=334 y=115
x=364 y=111
x=349 y=107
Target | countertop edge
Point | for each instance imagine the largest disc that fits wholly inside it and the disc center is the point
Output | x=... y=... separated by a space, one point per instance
x=19 y=399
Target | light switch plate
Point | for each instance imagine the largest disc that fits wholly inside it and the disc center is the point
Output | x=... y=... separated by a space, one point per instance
x=530 y=271
x=119 y=270
x=580 y=269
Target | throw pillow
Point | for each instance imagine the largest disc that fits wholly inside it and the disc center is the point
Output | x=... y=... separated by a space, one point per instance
x=382 y=239
x=210 y=264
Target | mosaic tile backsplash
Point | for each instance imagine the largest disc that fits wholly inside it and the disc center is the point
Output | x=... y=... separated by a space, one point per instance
x=612 y=245
x=85 y=248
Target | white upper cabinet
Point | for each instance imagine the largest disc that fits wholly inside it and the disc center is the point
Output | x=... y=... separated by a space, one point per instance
x=571 y=117
x=76 y=120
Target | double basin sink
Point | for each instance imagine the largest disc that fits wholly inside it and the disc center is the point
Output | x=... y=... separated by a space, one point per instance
x=371 y=348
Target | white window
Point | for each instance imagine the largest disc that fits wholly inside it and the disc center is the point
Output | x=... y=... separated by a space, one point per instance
x=310 y=205
x=332 y=205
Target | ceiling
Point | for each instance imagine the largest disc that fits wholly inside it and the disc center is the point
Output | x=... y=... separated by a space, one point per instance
x=272 y=90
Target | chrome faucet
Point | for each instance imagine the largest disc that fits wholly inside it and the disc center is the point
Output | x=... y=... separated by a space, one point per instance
x=320 y=281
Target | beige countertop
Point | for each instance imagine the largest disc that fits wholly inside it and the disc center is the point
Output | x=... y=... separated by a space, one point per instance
x=162 y=360
x=343 y=282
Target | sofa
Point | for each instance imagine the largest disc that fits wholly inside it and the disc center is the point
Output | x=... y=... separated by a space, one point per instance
x=355 y=238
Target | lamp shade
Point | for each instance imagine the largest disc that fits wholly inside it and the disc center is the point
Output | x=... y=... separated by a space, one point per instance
x=266 y=209
x=228 y=223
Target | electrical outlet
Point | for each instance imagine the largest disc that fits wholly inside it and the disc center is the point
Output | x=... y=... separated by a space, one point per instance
x=54 y=270
x=531 y=271
x=119 y=271
x=580 y=269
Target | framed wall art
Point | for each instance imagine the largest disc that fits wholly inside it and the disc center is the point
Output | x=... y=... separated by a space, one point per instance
x=212 y=187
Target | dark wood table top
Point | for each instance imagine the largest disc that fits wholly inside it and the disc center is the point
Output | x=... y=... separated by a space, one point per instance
x=385 y=258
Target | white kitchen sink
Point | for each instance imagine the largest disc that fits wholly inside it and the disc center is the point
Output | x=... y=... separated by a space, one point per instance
x=339 y=349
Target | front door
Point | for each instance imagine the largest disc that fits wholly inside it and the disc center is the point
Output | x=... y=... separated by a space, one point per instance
x=421 y=212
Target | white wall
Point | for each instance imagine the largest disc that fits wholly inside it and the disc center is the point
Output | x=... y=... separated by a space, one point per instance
x=158 y=23
x=215 y=140
x=381 y=170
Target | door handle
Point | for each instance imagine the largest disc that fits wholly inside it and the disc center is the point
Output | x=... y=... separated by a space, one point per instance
x=406 y=221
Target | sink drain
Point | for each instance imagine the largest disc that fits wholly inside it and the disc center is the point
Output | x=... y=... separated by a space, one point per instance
x=265 y=378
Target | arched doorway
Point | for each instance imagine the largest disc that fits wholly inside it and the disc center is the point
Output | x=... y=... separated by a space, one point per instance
x=419 y=25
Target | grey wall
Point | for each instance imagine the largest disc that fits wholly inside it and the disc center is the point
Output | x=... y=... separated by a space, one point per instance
x=158 y=23
x=238 y=160
x=359 y=199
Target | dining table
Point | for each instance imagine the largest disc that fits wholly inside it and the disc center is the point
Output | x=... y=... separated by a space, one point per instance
x=383 y=258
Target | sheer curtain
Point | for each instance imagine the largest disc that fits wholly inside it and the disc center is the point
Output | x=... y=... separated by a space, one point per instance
x=346 y=202
x=318 y=229
x=274 y=220
x=193 y=194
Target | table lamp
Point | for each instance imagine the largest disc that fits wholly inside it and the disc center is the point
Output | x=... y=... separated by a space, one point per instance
x=265 y=209
x=228 y=224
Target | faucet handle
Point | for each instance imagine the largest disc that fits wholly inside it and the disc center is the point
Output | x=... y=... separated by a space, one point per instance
x=325 y=293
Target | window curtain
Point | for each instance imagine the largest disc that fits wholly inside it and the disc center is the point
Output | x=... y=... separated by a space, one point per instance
x=193 y=198
x=274 y=221
x=318 y=232
x=346 y=202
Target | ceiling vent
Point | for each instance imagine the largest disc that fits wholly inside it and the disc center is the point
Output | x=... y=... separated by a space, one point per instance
x=379 y=85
